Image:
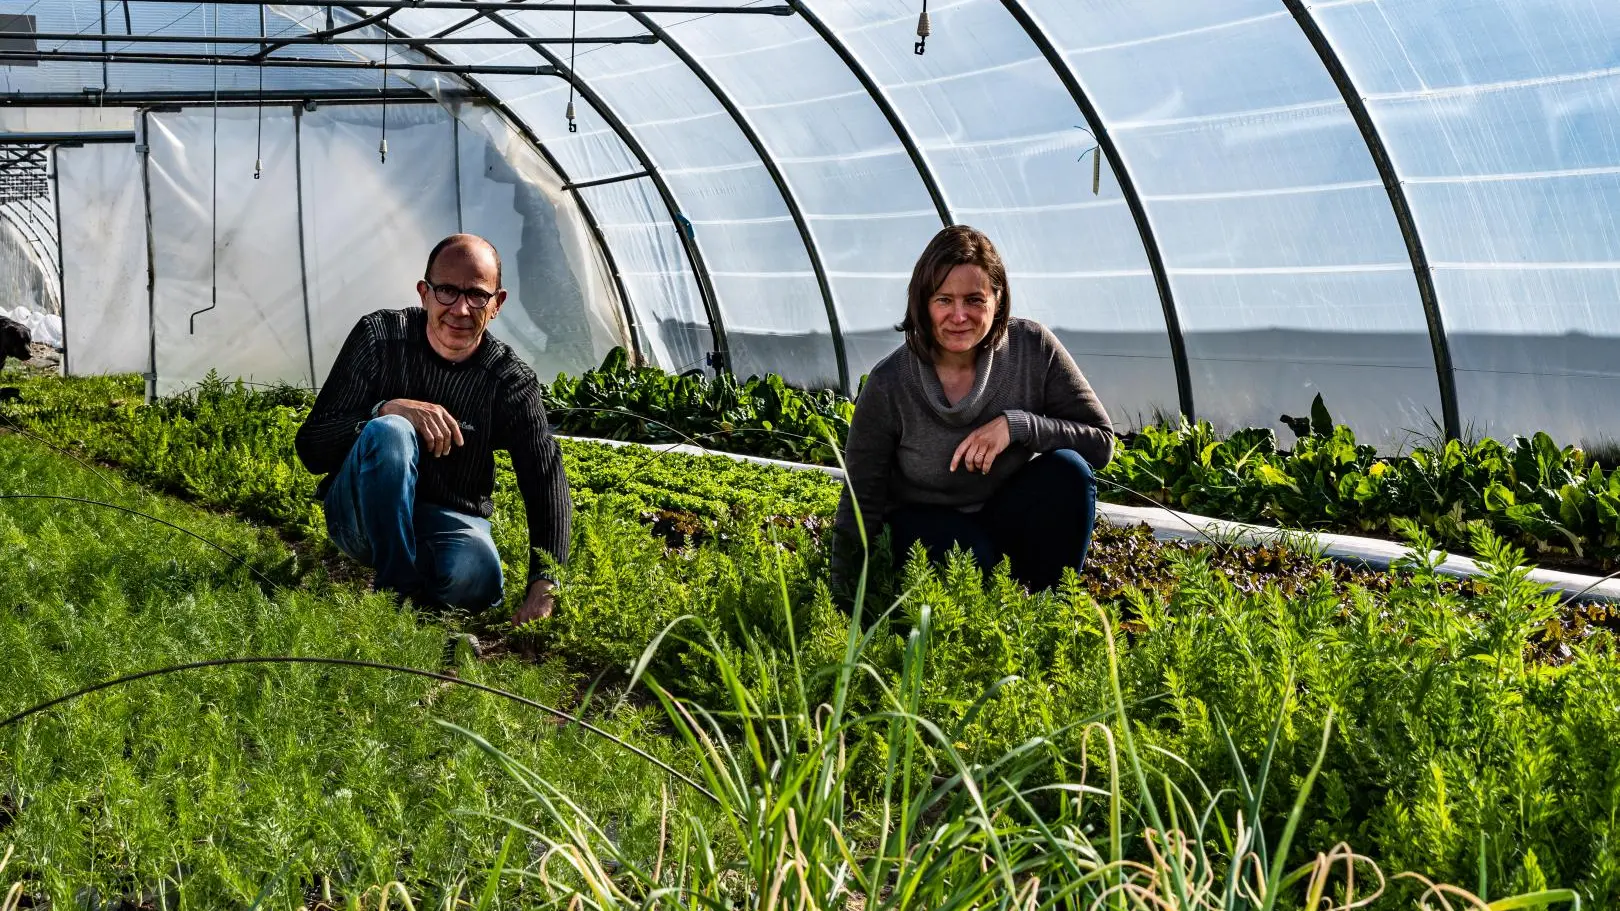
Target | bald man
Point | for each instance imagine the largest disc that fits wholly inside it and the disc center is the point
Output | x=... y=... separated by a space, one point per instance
x=406 y=429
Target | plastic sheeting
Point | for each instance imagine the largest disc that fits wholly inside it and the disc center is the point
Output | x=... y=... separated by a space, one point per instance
x=1239 y=162
x=562 y=313
x=26 y=279
x=1501 y=121
x=267 y=286
x=229 y=285
x=103 y=231
x=368 y=225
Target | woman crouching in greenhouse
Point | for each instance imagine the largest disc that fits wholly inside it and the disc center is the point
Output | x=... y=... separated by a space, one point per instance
x=979 y=432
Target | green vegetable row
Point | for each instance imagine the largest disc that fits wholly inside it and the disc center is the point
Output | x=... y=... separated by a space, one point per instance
x=1556 y=502
x=1553 y=501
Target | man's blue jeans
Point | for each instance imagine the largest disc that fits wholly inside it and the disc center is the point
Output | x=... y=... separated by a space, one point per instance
x=1042 y=519
x=418 y=549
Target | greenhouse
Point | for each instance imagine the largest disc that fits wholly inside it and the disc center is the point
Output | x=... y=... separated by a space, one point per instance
x=1222 y=208
x=1338 y=628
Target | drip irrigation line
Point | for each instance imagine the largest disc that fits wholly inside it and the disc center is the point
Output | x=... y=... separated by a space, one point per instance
x=573 y=52
x=1157 y=505
x=382 y=147
x=369 y=665
x=1582 y=593
x=135 y=512
x=258 y=149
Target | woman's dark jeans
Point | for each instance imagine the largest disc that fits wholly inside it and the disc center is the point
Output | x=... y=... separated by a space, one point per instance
x=1042 y=519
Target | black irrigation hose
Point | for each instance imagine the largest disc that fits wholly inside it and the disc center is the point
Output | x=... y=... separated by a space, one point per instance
x=370 y=665
x=135 y=512
x=60 y=450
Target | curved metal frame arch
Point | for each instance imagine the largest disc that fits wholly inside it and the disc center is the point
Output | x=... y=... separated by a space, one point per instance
x=585 y=212
x=881 y=99
x=789 y=198
x=1127 y=188
x=1445 y=373
x=27 y=224
x=694 y=252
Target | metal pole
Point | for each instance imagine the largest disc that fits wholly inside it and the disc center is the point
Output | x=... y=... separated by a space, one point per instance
x=1127 y=189
x=61 y=264
x=279 y=62
x=1445 y=373
x=312 y=39
x=519 y=6
x=55 y=139
x=455 y=154
x=303 y=260
x=105 y=85
x=173 y=98
x=145 y=151
x=604 y=181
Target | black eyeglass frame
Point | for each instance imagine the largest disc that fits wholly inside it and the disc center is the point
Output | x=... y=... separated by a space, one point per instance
x=477 y=298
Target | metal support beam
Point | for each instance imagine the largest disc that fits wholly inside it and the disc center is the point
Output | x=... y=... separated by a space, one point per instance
x=694 y=251
x=162 y=99
x=46 y=56
x=285 y=41
x=45 y=139
x=789 y=198
x=881 y=99
x=303 y=255
x=26 y=222
x=1127 y=189
x=145 y=150
x=585 y=212
x=604 y=181
x=1438 y=340
x=61 y=261
x=467 y=6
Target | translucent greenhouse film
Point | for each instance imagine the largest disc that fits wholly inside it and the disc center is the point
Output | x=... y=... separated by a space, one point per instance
x=1223 y=208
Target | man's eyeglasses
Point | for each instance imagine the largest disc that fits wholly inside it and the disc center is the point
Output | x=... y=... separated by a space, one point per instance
x=477 y=298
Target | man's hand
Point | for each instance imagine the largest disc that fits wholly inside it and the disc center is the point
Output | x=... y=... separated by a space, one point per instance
x=537 y=604
x=979 y=450
x=437 y=430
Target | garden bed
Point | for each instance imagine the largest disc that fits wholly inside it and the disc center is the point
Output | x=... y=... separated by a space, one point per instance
x=1473 y=726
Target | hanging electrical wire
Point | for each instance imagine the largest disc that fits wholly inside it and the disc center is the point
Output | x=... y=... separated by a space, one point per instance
x=924 y=29
x=573 y=47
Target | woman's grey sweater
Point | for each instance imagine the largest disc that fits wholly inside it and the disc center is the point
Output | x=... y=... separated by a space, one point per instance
x=903 y=434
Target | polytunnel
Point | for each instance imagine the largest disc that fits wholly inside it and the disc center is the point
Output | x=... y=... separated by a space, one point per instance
x=1223 y=208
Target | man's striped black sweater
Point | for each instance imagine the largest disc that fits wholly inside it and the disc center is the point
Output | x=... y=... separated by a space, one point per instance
x=387 y=356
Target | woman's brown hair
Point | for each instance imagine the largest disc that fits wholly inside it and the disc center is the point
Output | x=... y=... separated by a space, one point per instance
x=958 y=245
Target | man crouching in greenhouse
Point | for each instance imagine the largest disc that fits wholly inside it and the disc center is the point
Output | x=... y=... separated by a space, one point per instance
x=406 y=429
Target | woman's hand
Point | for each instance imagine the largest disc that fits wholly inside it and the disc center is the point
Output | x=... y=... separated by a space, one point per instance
x=979 y=450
